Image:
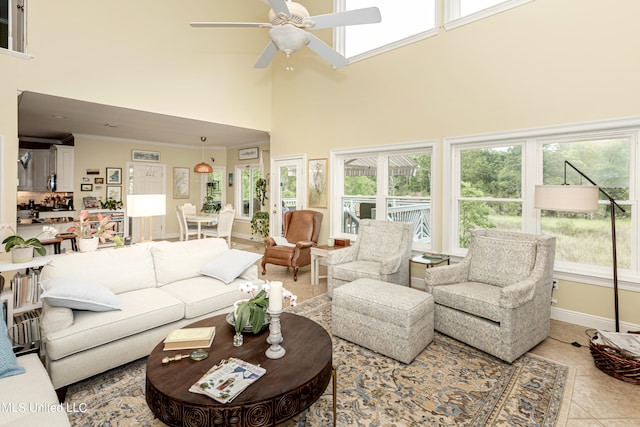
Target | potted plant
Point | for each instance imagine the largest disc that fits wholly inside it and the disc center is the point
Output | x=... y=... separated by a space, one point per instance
x=253 y=311
x=260 y=224
x=261 y=190
x=88 y=234
x=21 y=249
x=111 y=204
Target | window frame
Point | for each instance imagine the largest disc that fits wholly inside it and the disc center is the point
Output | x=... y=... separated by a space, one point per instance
x=337 y=184
x=452 y=19
x=17 y=25
x=254 y=168
x=339 y=35
x=532 y=170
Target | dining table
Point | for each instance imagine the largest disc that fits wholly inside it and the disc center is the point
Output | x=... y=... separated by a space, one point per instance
x=202 y=218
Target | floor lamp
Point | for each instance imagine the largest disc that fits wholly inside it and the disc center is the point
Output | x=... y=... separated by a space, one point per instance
x=581 y=198
x=146 y=206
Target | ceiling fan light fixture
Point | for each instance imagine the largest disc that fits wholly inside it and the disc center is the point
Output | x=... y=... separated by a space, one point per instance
x=288 y=38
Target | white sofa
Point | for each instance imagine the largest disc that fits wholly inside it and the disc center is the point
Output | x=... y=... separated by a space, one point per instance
x=160 y=288
x=29 y=399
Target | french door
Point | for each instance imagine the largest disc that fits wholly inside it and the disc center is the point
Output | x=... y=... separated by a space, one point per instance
x=287 y=189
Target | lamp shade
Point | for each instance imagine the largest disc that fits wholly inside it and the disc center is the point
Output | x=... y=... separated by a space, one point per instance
x=203 y=168
x=575 y=198
x=142 y=205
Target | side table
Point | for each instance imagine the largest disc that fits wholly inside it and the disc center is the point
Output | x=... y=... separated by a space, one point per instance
x=317 y=254
x=431 y=259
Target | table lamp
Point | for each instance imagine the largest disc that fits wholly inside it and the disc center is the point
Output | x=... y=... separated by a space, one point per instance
x=146 y=206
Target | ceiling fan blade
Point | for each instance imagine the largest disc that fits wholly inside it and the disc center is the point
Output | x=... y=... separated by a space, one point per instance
x=279 y=6
x=368 y=15
x=230 y=24
x=326 y=52
x=267 y=55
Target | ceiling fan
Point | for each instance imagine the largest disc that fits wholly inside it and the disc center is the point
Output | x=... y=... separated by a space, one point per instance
x=289 y=22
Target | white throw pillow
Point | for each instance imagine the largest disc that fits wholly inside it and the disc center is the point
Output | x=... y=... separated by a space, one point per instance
x=229 y=265
x=79 y=295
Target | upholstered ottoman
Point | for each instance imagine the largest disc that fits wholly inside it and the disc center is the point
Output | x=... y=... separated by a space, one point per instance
x=390 y=319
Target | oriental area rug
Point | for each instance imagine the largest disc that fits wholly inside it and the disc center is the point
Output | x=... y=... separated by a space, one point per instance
x=448 y=384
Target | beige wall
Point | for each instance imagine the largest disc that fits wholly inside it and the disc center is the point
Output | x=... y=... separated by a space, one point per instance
x=545 y=63
x=89 y=154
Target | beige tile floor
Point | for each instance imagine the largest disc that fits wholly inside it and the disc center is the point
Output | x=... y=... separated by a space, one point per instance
x=592 y=398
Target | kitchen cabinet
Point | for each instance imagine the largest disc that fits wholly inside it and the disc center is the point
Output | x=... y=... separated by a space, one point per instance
x=25 y=176
x=61 y=163
x=41 y=170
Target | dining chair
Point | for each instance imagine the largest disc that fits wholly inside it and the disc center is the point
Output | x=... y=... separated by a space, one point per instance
x=186 y=230
x=225 y=224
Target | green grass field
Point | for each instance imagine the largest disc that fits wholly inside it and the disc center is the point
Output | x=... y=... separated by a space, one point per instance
x=586 y=241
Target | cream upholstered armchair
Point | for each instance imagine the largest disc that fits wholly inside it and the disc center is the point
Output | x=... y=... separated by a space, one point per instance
x=498 y=298
x=382 y=252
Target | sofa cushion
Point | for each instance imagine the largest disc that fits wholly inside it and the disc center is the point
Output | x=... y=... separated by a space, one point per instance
x=121 y=270
x=379 y=241
x=501 y=262
x=478 y=299
x=182 y=260
x=229 y=265
x=79 y=295
x=202 y=294
x=142 y=310
x=353 y=270
x=8 y=363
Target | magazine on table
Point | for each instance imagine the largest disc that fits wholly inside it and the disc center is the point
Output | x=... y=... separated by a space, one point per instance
x=629 y=343
x=226 y=380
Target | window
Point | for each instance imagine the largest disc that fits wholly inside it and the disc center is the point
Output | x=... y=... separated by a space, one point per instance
x=585 y=238
x=490 y=189
x=492 y=184
x=247 y=202
x=388 y=183
x=402 y=21
x=212 y=194
x=460 y=12
x=13 y=25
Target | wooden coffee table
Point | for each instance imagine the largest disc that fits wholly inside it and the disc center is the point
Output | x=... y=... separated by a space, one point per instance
x=290 y=385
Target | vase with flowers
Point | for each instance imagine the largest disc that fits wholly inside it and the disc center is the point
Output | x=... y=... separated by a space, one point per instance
x=90 y=233
x=252 y=312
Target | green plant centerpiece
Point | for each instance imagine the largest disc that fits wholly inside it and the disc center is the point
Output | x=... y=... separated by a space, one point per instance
x=260 y=224
x=21 y=248
x=253 y=311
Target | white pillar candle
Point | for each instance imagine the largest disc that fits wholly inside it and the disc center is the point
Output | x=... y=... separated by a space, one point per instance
x=275 y=296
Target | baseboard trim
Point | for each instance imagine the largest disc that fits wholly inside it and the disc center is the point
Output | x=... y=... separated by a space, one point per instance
x=590 y=321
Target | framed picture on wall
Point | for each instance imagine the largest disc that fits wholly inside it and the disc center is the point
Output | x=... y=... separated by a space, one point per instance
x=145 y=156
x=318 y=183
x=86 y=187
x=180 y=183
x=114 y=176
x=114 y=192
x=248 y=153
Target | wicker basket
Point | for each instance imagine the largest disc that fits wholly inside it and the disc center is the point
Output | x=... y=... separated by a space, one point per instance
x=615 y=362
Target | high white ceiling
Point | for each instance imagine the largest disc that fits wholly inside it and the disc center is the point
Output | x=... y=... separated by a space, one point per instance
x=52 y=117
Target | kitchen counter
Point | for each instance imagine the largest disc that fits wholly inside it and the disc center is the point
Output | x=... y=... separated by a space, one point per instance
x=45 y=221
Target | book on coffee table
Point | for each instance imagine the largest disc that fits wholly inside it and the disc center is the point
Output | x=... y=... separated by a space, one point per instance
x=227 y=379
x=188 y=338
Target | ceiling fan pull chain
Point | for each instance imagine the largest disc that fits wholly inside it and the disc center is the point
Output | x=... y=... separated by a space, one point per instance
x=289 y=67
